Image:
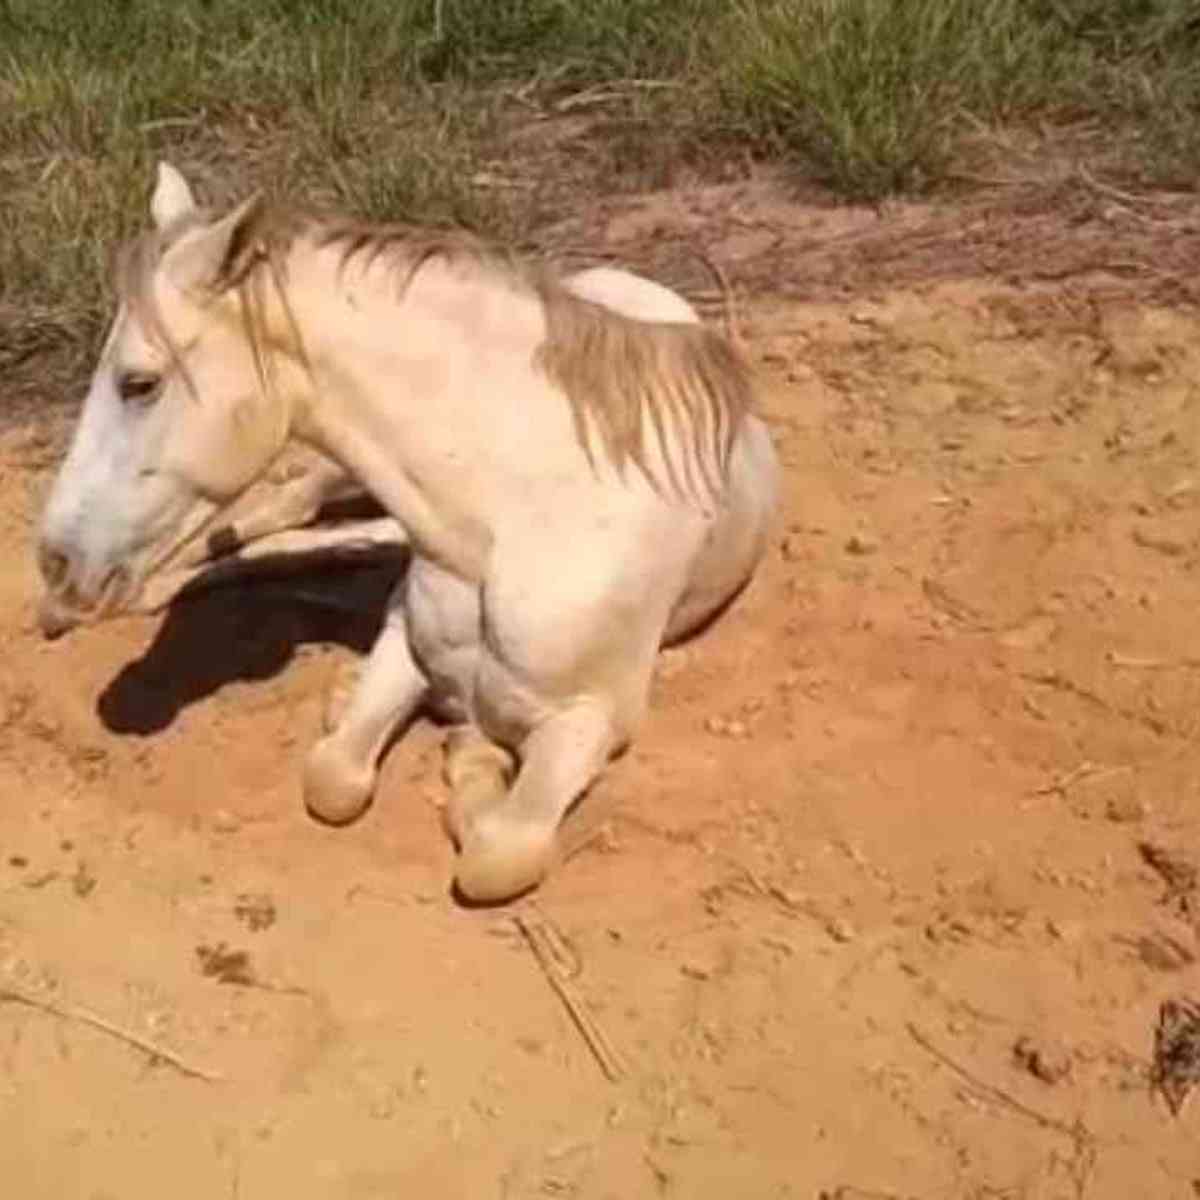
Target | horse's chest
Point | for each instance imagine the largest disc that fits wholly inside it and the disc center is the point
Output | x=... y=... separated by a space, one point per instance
x=467 y=680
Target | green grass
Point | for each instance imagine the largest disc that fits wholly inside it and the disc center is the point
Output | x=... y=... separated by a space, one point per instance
x=398 y=108
x=875 y=95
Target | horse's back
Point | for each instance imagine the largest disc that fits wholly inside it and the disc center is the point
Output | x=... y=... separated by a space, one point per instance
x=631 y=295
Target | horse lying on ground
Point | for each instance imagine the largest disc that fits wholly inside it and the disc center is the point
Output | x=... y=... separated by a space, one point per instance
x=575 y=465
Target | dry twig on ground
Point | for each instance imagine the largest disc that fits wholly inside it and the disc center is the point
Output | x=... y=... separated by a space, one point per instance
x=155 y=1052
x=534 y=928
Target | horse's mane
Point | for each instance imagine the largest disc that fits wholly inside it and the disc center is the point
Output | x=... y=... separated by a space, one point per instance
x=618 y=374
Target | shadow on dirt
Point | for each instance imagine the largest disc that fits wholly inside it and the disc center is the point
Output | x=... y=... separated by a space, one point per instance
x=249 y=628
x=244 y=631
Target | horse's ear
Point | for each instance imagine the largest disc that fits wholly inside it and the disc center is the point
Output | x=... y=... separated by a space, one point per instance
x=218 y=253
x=172 y=197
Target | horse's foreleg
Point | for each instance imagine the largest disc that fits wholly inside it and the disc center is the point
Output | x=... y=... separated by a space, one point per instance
x=341 y=769
x=290 y=552
x=293 y=505
x=508 y=847
x=274 y=555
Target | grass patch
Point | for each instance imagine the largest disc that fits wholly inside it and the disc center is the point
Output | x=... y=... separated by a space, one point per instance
x=387 y=108
x=569 y=43
x=877 y=95
x=315 y=97
x=404 y=108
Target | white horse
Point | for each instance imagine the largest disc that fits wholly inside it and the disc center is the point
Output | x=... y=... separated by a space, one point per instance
x=579 y=484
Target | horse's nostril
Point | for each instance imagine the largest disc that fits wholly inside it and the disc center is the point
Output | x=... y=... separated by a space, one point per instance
x=53 y=564
x=113 y=583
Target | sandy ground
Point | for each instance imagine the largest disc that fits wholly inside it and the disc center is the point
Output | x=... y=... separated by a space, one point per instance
x=869 y=920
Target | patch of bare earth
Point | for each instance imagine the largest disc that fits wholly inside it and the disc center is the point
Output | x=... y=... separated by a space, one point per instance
x=874 y=918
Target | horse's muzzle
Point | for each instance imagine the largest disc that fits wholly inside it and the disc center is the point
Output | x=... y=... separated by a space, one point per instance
x=53 y=620
x=65 y=603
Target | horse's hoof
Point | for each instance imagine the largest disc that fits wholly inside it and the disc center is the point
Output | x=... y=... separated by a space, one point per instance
x=499 y=863
x=335 y=791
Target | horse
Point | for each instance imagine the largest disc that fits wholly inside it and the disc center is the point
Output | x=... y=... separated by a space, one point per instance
x=273 y=533
x=578 y=485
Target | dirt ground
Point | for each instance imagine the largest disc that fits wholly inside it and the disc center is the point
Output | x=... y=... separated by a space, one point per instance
x=870 y=919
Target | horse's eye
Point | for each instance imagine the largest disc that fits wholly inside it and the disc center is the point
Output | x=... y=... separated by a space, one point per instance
x=138 y=387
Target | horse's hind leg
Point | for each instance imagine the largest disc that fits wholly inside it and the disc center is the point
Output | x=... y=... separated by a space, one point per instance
x=478 y=773
x=341 y=769
x=507 y=847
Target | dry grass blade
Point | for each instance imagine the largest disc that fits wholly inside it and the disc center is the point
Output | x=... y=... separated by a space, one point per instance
x=1083 y=1141
x=850 y=1192
x=65 y=1012
x=991 y=1092
x=1131 y=662
x=536 y=931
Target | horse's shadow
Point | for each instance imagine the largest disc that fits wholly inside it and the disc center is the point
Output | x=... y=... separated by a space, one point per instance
x=243 y=630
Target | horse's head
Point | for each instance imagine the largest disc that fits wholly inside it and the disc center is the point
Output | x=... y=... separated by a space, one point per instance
x=183 y=413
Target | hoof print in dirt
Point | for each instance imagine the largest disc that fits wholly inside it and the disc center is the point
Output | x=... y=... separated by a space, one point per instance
x=257 y=912
x=83 y=882
x=226 y=966
x=1044 y=1059
x=1176 y=1052
x=1179 y=872
x=1161 y=952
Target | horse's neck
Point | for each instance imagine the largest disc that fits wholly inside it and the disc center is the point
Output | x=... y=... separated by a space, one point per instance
x=430 y=400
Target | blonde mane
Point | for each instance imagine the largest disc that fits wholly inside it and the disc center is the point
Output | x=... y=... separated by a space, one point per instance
x=617 y=373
